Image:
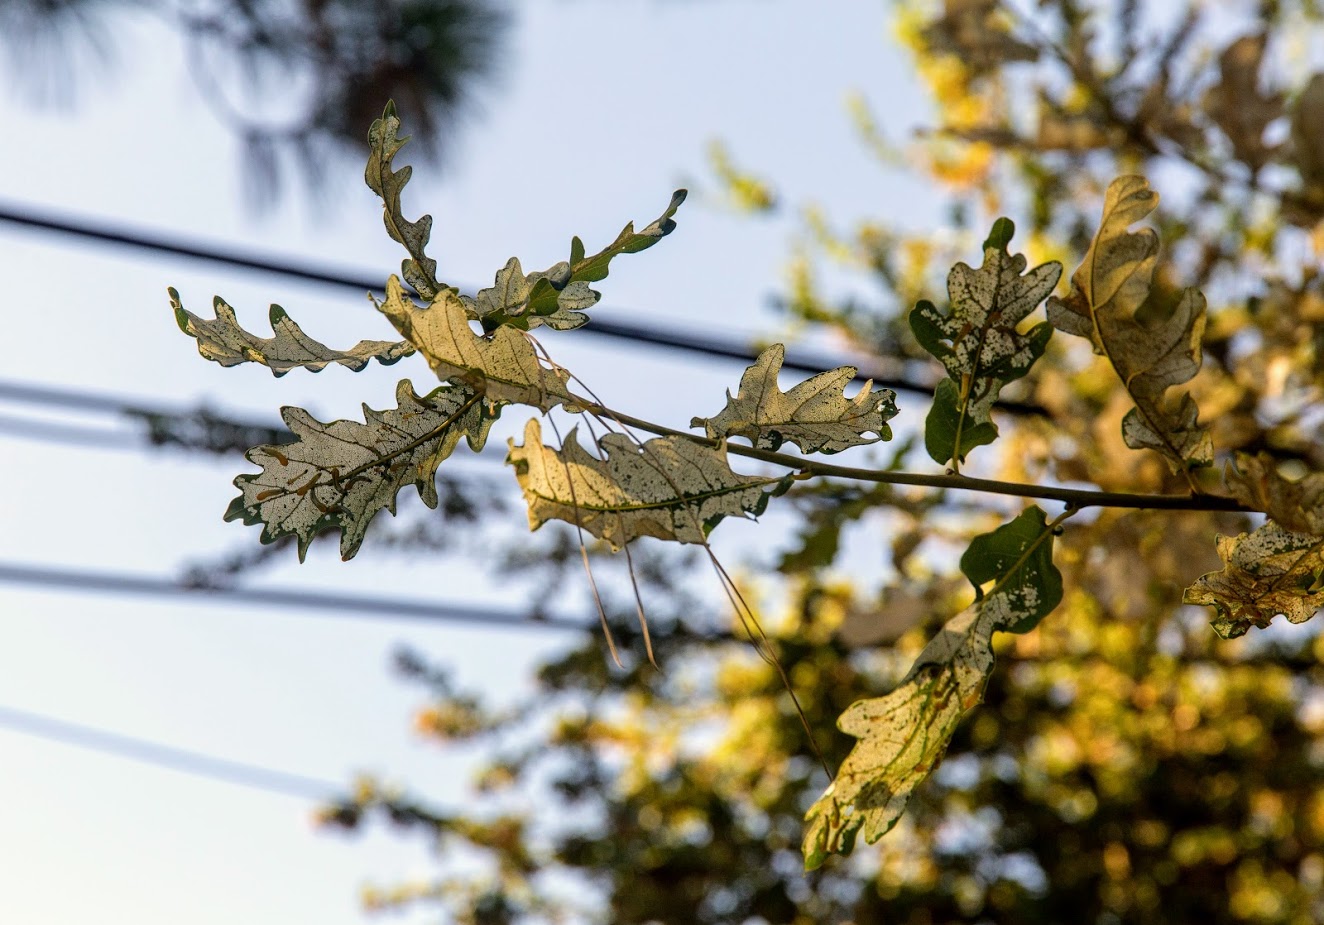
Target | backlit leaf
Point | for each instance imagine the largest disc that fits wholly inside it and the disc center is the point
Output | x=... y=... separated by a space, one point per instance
x=815 y=415
x=1269 y=572
x=503 y=365
x=1107 y=290
x=1295 y=505
x=903 y=735
x=672 y=488
x=1237 y=104
x=340 y=475
x=557 y=297
x=223 y=340
x=419 y=270
x=978 y=344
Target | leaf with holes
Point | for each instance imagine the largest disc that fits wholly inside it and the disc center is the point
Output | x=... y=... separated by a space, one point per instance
x=978 y=343
x=557 y=297
x=1269 y=572
x=419 y=270
x=1107 y=292
x=672 y=488
x=340 y=475
x=225 y=341
x=1296 y=505
x=903 y=735
x=815 y=415
x=503 y=365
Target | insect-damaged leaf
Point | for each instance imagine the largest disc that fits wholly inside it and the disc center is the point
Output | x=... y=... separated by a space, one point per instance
x=1295 y=505
x=978 y=344
x=223 y=340
x=1269 y=572
x=904 y=734
x=556 y=297
x=503 y=365
x=1108 y=289
x=419 y=270
x=343 y=473
x=815 y=415
x=672 y=488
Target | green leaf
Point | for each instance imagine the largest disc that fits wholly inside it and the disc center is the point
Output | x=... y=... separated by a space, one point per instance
x=977 y=342
x=1016 y=557
x=1269 y=572
x=224 y=341
x=340 y=475
x=510 y=301
x=419 y=270
x=815 y=415
x=557 y=297
x=672 y=488
x=903 y=735
x=1108 y=290
x=503 y=365
x=946 y=425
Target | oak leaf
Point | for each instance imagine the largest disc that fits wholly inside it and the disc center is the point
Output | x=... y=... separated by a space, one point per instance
x=1110 y=287
x=419 y=270
x=1238 y=106
x=223 y=340
x=815 y=415
x=503 y=366
x=558 y=296
x=340 y=475
x=1296 y=505
x=903 y=735
x=1268 y=572
x=672 y=488
x=978 y=344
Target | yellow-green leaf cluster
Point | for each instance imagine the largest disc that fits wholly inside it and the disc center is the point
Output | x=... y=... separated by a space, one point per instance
x=672 y=488
x=815 y=415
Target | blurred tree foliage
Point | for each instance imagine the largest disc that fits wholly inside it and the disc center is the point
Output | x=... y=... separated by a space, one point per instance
x=295 y=81
x=1128 y=766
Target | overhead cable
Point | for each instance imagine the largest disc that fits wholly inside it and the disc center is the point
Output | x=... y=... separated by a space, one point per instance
x=691 y=342
x=80 y=581
x=184 y=761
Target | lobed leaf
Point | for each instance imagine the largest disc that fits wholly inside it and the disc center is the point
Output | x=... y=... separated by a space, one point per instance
x=672 y=488
x=903 y=735
x=503 y=366
x=225 y=341
x=815 y=415
x=978 y=344
x=340 y=475
x=1296 y=505
x=419 y=270
x=556 y=297
x=1110 y=287
x=1268 y=572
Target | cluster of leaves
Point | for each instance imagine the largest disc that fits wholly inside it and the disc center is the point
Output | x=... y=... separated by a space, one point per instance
x=678 y=487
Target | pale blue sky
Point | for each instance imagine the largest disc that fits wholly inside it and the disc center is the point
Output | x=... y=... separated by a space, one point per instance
x=604 y=108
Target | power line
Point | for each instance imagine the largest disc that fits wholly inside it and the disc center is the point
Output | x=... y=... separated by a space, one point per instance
x=80 y=581
x=686 y=342
x=143 y=751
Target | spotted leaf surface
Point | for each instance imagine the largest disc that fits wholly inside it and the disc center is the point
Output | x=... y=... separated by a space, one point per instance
x=503 y=365
x=815 y=415
x=671 y=488
x=1294 y=504
x=1107 y=291
x=1268 y=572
x=419 y=270
x=340 y=475
x=557 y=297
x=978 y=343
x=223 y=339
x=903 y=735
